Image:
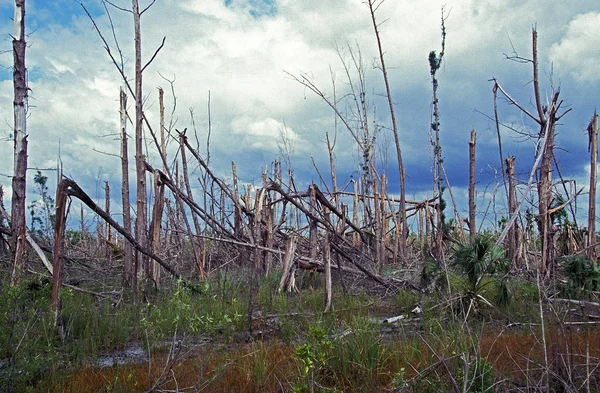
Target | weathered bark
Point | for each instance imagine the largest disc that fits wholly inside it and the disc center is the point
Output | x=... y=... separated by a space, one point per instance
x=268 y=234
x=59 y=230
x=155 y=225
x=141 y=220
x=19 y=189
x=288 y=281
x=129 y=275
x=545 y=193
x=327 y=264
x=355 y=215
x=472 y=227
x=376 y=225
x=593 y=148
x=547 y=117
x=237 y=214
x=401 y=171
x=107 y=234
x=73 y=189
x=196 y=249
x=513 y=233
x=312 y=225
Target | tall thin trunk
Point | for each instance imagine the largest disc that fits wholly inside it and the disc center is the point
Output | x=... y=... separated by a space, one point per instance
x=237 y=215
x=513 y=234
x=59 y=230
x=327 y=262
x=472 y=227
x=19 y=191
x=593 y=147
x=155 y=225
x=129 y=275
x=435 y=62
x=195 y=248
x=402 y=173
x=141 y=213
x=108 y=233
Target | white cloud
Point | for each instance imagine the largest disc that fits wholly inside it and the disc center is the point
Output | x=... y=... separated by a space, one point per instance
x=578 y=52
x=242 y=59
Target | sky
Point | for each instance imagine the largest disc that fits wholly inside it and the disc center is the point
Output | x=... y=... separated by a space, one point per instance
x=244 y=51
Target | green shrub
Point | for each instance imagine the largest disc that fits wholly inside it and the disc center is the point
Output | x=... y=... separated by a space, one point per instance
x=583 y=276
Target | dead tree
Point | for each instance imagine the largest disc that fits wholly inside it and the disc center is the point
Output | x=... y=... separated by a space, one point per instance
x=513 y=230
x=19 y=189
x=546 y=118
x=472 y=226
x=141 y=218
x=129 y=276
x=59 y=230
x=593 y=148
x=404 y=232
x=435 y=62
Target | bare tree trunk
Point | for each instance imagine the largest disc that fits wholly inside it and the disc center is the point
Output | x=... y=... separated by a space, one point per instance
x=108 y=233
x=327 y=263
x=472 y=227
x=59 y=230
x=513 y=232
x=435 y=62
x=129 y=274
x=197 y=251
x=402 y=173
x=141 y=210
x=155 y=225
x=237 y=215
x=547 y=117
x=19 y=189
x=288 y=281
x=593 y=148
x=313 y=233
x=355 y=219
x=313 y=230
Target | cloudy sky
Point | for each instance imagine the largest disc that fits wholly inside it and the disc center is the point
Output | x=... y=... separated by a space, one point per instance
x=242 y=50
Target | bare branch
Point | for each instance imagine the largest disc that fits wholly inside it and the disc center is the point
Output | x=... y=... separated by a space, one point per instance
x=514 y=102
x=147 y=8
x=155 y=54
x=116 y=6
x=107 y=47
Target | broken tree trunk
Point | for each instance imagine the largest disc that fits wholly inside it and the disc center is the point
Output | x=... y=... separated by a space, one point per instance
x=401 y=171
x=327 y=264
x=288 y=280
x=129 y=274
x=196 y=249
x=18 y=228
x=72 y=189
x=141 y=230
x=593 y=148
x=472 y=227
x=155 y=225
x=59 y=230
x=513 y=231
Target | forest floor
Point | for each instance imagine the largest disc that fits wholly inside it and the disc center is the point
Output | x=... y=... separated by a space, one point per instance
x=375 y=339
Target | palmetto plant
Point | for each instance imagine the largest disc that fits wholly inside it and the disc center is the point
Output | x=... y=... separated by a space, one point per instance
x=480 y=260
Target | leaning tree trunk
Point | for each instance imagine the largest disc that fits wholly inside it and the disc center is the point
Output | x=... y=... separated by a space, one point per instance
x=20 y=144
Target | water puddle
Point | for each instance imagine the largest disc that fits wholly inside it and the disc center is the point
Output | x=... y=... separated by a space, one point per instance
x=133 y=354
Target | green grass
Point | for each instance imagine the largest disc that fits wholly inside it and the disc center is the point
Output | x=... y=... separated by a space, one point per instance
x=367 y=358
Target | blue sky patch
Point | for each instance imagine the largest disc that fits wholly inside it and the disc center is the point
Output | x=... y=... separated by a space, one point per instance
x=256 y=8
